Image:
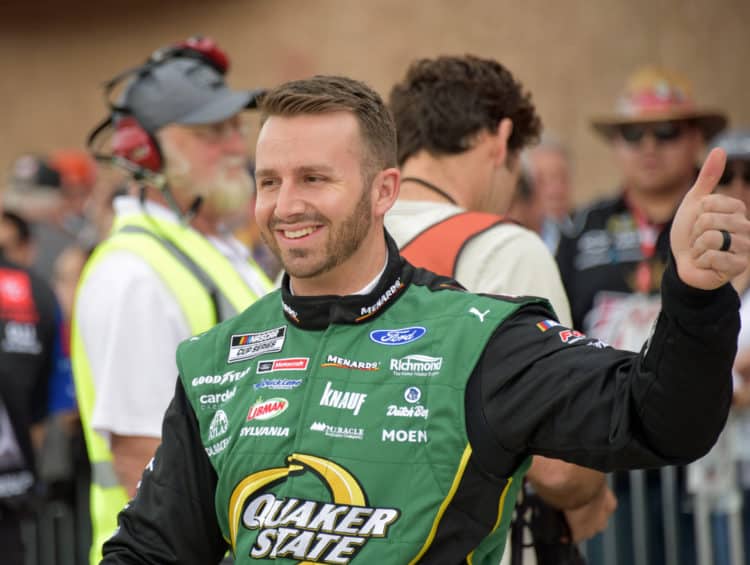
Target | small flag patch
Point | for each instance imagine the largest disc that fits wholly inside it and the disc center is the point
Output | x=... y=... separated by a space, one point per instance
x=544 y=325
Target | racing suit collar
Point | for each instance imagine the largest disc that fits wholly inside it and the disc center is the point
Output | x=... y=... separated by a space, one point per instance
x=318 y=312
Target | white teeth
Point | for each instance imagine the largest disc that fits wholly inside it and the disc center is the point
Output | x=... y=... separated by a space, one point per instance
x=295 y=234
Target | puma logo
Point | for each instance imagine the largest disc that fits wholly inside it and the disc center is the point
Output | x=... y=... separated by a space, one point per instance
x=478 y=314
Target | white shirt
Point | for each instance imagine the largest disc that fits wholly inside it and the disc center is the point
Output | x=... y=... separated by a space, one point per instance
x=131 y=325
x=506 y=259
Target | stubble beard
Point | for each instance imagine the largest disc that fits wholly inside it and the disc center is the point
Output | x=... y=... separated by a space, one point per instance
x=342 y=243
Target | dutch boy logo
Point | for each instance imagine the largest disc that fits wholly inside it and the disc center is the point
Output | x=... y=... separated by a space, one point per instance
x=399 y=336
x=412 y=394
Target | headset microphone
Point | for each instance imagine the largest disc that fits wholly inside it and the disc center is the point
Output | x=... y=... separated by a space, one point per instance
x=139 y=173
x=193 y=210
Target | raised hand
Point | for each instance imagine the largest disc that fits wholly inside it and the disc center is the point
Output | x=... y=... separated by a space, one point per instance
x=710 y=235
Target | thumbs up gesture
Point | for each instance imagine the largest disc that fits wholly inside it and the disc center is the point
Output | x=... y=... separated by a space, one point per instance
x=710 y=235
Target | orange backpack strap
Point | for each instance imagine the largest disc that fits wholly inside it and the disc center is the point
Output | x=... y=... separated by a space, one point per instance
x=438 y=247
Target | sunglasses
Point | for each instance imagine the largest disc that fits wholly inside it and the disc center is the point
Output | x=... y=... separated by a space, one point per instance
x=662 y=131
x=730 y=173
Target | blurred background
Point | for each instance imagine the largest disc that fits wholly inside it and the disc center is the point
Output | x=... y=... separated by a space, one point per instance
x=574 y=56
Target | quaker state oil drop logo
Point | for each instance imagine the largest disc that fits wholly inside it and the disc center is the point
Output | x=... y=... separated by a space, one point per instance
x=319 y=531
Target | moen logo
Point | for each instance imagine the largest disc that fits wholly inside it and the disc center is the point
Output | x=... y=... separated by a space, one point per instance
x=397 y=337
x=265 y=410
x=307 y=530
x=404 y=436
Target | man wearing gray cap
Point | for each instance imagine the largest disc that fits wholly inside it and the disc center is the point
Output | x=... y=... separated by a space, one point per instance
x=736 y=178
x=170 y=268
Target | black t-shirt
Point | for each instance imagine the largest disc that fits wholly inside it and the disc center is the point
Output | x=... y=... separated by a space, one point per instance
x=28 y=328
x=601 y=260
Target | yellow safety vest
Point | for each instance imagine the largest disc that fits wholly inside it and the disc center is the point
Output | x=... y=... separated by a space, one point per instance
x=207 y=288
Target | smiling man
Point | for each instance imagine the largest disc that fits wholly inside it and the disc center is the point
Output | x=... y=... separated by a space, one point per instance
x=404 y=409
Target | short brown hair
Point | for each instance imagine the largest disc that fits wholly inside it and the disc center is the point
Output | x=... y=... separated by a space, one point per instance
x=321 y=94
x=442 y=103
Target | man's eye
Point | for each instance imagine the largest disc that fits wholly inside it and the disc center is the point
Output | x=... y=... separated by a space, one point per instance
x=266 y=183
x=313 y=178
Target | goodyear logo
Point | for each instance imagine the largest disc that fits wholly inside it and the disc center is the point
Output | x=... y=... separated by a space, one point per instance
x=302 y=529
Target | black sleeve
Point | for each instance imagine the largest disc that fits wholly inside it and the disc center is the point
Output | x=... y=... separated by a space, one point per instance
x=48 y=328
x=172 y=518
x=557 y=393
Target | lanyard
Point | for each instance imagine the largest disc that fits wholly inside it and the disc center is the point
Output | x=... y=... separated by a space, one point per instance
x=648 y=235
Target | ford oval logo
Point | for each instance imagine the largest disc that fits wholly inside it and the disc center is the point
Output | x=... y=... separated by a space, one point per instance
x=397 y=337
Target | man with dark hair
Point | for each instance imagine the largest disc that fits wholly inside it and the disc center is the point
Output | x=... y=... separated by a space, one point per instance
x=372 y=412
x=15 y=239
x=462 y=123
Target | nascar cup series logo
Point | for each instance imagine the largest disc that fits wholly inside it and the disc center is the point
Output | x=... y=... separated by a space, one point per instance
x=310 y=531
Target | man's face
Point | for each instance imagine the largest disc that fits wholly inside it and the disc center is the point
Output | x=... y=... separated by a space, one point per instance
x=313 y=207
x=659 y=157
x=209 y=161
x=552 y=181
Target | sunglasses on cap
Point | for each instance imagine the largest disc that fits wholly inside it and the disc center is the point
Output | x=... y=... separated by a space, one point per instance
x=730 y=173
x=662 y=131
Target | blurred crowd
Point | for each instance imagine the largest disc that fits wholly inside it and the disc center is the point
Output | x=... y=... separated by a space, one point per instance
x=58 y=213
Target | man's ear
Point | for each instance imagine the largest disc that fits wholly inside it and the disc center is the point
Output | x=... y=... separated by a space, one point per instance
x=504 y=131
x=385 y=189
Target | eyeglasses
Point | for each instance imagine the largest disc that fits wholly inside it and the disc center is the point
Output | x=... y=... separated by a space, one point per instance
x=662 y=131
x=730 y=173
x=221 y=131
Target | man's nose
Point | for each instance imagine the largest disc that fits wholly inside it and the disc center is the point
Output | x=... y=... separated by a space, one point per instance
x=289 y=201
x=648 y=142
x=235 y=142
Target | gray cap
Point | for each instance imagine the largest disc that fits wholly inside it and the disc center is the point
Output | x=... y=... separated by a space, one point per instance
x=735 y=142
x=182 y=90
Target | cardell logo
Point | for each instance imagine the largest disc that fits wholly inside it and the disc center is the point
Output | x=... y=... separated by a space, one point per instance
x=397 y=337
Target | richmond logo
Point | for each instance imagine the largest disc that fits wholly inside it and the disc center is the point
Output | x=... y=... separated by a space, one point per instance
x=307 y=530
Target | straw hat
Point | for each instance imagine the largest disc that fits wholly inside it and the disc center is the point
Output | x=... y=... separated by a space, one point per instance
x=654 y=94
